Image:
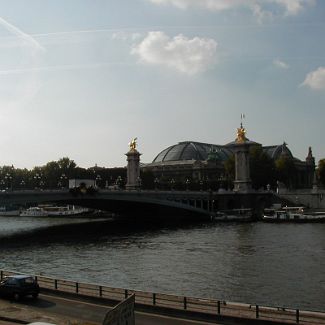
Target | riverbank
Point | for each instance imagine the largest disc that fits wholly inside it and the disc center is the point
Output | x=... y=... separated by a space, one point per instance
x=177 y=306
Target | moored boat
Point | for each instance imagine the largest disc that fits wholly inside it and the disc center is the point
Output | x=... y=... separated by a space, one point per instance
x=293 y=214
x=33 y=212
x=240 y=215
x=65 y=211
x=54 y=211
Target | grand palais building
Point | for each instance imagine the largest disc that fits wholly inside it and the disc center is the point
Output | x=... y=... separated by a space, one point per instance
x=203 y=161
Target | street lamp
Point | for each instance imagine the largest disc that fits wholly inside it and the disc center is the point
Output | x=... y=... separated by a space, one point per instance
x=22 y=183
x=63 y=179
x=156 y=181
x=97 y=180
x=187 y=183
x=37 y=179
x=208 y=185
x=201 y=185
x=119 y=181
x=41 y=184
x=172 y=183
x=8 y=181
x=139 y=182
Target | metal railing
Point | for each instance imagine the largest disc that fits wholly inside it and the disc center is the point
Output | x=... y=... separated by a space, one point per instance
x=191 y=304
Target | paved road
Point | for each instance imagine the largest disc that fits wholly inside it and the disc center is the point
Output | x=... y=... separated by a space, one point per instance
x=59 y=310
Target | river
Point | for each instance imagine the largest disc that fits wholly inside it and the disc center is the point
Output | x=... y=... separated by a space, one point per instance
x=268 y=264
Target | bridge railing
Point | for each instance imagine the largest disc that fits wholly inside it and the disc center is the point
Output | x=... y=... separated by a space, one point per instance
x=175 y=302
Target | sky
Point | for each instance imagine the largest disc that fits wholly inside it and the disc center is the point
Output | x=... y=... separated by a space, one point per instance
x=81 y=78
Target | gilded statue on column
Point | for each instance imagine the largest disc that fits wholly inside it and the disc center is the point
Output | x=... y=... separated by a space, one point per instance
x=133 y=144
x=241 y=135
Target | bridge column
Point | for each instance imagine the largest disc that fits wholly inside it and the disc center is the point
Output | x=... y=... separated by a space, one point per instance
x=133 y=167
x=241 y=148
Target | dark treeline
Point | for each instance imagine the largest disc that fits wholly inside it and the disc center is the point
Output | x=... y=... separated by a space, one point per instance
x=56 y=174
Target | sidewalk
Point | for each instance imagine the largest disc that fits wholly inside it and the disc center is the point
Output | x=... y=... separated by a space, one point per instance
x=16 y=313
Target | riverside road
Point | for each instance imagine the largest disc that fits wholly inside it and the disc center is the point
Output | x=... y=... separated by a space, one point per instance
x=60 y=310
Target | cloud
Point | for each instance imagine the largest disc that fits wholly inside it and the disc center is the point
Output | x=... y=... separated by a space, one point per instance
x=124 y=36
x=27 y=39
x=280 y=64
x=19 y=52
x=260 y=8
x=293 y=7
x=189 y=56
x=315 y=79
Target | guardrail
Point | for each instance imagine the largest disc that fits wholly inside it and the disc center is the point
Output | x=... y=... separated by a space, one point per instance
x=181 y=303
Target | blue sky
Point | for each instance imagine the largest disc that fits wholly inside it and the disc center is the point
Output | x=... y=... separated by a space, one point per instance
x=81 y=78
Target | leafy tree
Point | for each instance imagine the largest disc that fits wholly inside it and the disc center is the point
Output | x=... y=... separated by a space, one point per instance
x=52 y=173
x=262 y=168
x=67 y=166
x=230 y=168
x=147 y=180
x=286 y=171
x=321 y=171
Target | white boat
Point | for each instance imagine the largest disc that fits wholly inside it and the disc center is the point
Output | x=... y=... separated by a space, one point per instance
x=33 y=212
x=292 y=214
x=64 y=211
x=239 y=215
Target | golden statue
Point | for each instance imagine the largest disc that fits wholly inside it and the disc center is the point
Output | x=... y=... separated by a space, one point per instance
x=133 y=144
x=241 y=134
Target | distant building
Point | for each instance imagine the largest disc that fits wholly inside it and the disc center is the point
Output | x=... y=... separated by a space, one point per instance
x=202 y=161
x=81 y=182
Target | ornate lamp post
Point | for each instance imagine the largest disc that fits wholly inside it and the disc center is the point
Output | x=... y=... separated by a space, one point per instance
x=37 y=179
x=97 y=181
x=172 y=183
x=208 y=185
x=156 y=181
x=187 y=183
x=41 y=184
x=139 y=181
x=119 y=181
x=201 y=184
x=63 y=179
x=8 y=181
x=22 y=184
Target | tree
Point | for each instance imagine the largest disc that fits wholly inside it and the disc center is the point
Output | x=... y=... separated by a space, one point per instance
x=262 y=168
x=321 y=171
x=51 y=173
x=286 y=171
x=67 y=166
x=147 y=180
x=230 y=167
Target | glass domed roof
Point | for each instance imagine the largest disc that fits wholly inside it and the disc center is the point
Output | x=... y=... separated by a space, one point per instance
x=190 y=150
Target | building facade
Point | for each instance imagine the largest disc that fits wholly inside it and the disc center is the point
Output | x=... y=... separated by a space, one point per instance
x=197 y=162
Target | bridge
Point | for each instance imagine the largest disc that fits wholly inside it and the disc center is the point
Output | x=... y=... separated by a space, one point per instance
x=145 y=203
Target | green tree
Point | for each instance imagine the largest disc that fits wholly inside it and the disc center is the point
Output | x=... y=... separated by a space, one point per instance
x=230 y=168
x=286 y=171
x=262 y=168
x=67 y=166
x=147 y=180
x=51 y=173
x=321 y=171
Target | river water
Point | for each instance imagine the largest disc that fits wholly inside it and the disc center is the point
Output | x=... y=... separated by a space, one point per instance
x=268 y=264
